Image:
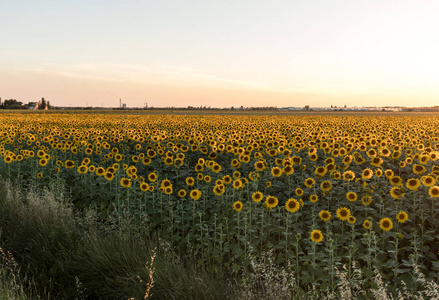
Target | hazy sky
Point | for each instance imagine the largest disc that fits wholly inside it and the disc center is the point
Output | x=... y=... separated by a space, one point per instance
x=220 y=53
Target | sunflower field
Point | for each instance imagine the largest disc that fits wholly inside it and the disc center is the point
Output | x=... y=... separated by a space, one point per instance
x=317 y=192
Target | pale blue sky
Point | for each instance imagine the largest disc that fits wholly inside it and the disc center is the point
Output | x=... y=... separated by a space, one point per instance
x=221 y=53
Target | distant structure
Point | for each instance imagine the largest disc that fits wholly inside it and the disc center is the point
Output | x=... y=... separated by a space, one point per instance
x=43 y=104
x=122 y=105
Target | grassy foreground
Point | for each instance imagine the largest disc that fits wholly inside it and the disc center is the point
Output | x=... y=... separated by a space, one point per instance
x=49 y=252
x=57 y=255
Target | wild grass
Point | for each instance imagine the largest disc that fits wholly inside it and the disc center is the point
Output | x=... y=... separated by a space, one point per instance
x=66 y=256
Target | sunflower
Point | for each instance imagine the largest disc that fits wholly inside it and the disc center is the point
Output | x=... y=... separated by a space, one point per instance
x=434 y=191
x=40 y=175
x=271 y=202
x=199 y=167
x=336 y=175
x=428 y=181
x=402 y=217
x=70 y=164
x=237 y=184
x=325 y=186
x=348 y=176
x=325 y=215
x=195 y=194
x=388 y=173
x=396 y=180
x=384 y=152
x=376 y=161
x=386 y=224
x=109 y=176
x=418 y=169
x=144 y=187
x=151 y=153
x=207 y=179
x=299 y=192
x=424 y=159
x=320 y=171
x=378 y=172
x=396 y=192
x=237 y=206
x=292 y=205
x=190 y=181
x=316 y=236
x=367 y=174
x=371 y=153
x=257 y=196
x=227 y=179
x=125 y=182
x=168 y=190
x=352 y=220
x=152 y=177
x=43 y=162
x=367 y=224
x=219 y=189
x=313 y=198
x=82 y=169
x=216 y=168
x=297 y=160
x=268 y=184
x=288 y=170
x=276 y=172
x=313 y=157
x=259 y=166
x=165 y=183
x=347 y=159
x=310 y=182
x=413 y=184
x=343 y=213
x=352 y=196
x=100 y=171
x=402 y=164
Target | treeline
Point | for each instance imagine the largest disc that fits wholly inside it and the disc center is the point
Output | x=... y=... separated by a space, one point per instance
x=15 y=104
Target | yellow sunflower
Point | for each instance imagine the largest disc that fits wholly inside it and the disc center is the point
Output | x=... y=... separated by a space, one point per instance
x=402 y=217
x=271 y=202
x=367 y=174
x=195 y=194
x=313 y=198
x=396 y=192
x=310 y=182
x=292 y=205
x=428 y=181
x=343 y=213
x=413 y=184
x=325 y=215
x=316 y=236
x=325 y=186
x=125 y=182
x=367 y=224
x=434 y=191
x=237 y=206
x=276 y=172
x=418 y=169
x=386 y=224
x=257 y=196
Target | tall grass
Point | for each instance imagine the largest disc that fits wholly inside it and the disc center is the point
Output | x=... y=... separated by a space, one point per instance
x=67 y=256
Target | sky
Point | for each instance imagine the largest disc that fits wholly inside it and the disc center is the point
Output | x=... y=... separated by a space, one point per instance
x=220 y=53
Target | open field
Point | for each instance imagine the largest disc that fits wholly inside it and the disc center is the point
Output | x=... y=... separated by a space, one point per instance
x=323 y=200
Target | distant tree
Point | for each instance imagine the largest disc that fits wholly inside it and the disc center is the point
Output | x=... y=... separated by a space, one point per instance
x=12 y=104
x=306 y=107
x=43 y=104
